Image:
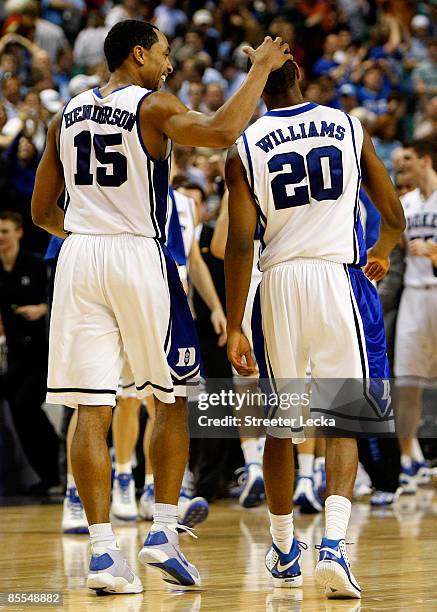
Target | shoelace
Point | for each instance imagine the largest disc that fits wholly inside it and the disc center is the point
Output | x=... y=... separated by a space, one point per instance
x=302 y=545
x=344 y=553
x=180 y=528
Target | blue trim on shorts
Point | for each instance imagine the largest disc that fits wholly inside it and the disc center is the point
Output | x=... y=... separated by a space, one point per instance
x=376 y=376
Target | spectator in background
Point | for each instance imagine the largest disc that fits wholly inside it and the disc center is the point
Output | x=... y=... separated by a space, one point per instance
x=88 y=48
x=417 y=48
x=168 y=17
x=348 y=97
x=424 y=76
x=427 y=125
x=204 y=21
x=214 y=98
x=196 y=92
x=374 y=89
x=128 y=9
x=18 y=170
x=384 y=140
x=327 y=63
x=11 y=93
x=23 y=310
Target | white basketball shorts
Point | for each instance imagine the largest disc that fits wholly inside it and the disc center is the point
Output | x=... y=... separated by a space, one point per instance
x=324 y=313
x=117 y=293
x=416 y=338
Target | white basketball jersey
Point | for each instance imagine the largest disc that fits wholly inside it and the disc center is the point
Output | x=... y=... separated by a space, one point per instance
x=303 y=166
x=113 y=185
x=186 y=213
x=421 y=217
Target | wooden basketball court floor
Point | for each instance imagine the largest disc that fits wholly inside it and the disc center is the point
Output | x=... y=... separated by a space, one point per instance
x=394 y=557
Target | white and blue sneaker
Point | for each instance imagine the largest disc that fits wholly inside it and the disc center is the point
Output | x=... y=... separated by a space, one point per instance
x=73 y=513
x=253 y=489
x=161 y=551
x=408 y=480
x=333 y=571
x=110 y=573
x=423 y=472
x=384 y=498
x=305 y=496
x=124 y=503
x=285 y=568
x=192 y=510
x=147 y=503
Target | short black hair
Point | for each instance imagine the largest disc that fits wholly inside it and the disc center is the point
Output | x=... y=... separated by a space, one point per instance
x=424 y=147
x=280 y=81
x=11 y=215
x=124 y=36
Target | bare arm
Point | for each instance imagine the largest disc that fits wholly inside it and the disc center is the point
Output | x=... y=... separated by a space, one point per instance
x=238 y=259
x=49 y=184
x=203 y=283
x=169 y=116
x=218 y=242
x=382 y=192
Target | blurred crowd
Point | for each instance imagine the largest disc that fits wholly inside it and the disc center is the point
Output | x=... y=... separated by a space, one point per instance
x=375 y=59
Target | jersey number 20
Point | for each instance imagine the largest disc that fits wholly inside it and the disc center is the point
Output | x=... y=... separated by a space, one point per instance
x=117 y=160
x=325 y=182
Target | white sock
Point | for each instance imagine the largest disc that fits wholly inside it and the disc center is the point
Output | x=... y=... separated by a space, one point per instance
x=70 y=481
x=123 y=468
x=148 y=480
x=306 y=464
x=319 y=463
x=165 y=514
x=261 y=443
x=282 y=530
x=250 y=451
x=188 y=479
x=102 y=537
x=337 y=514
x=406 y=461
x=417 y=451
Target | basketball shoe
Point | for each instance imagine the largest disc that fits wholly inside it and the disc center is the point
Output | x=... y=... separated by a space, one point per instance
x=252 y=493
x=192 y=510
x=285 y=568
x=306 y=497
x=333 y=571
x=73 y=513
x=124 y=505
x=110 y=573
x=147 y=503
x=161 y=551
x=423 y=472
x=408 y=480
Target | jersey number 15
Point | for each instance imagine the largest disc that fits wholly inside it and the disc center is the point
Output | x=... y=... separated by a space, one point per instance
x=117 y=160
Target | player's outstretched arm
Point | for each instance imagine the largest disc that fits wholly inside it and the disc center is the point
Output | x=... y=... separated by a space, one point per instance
x=49 y=184
x=381 y=190
x=169 y=116
x=238 y=259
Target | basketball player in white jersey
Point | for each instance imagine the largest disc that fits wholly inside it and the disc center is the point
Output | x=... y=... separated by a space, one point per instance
x=416 y=326
x=116 y=285
x=299 y=169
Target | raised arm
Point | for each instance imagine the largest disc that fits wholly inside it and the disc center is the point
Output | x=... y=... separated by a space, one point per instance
x=49 y=184
x=167 y=115
x=238 y=260
x=381 y=190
